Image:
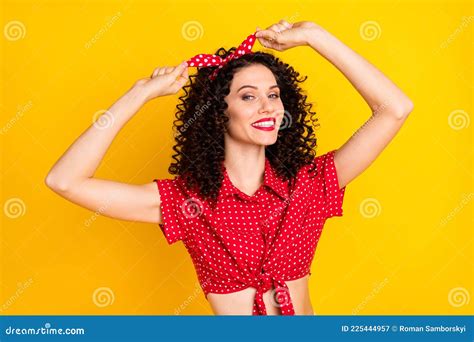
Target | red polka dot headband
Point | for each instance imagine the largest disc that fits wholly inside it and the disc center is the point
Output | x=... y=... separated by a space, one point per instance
x=204 y=60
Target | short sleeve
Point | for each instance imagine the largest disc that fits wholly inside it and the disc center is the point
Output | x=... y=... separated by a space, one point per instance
x=172 y=216
x=333 y=197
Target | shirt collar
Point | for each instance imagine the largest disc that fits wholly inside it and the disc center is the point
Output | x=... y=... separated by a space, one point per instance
x=271 y=180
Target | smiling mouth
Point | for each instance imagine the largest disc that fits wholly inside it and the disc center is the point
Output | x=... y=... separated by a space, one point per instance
x=265 y=124
x=268 y=125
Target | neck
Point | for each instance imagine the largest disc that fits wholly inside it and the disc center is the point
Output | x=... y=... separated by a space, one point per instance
x=245 y=164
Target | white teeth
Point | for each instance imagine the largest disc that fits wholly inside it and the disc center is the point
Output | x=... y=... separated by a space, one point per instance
x=264 y=124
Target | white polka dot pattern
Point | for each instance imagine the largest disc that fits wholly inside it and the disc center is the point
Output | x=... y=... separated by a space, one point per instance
x=173 y=218
x=205 y=60
x=262 y=240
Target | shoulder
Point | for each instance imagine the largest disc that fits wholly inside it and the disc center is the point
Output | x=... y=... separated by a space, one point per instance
x=318 y=165
x=316 y=174
x=177 y=190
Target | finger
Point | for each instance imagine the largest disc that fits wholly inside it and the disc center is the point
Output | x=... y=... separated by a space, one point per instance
x=269 y=44
x=142 y=81
x=162 y=71
x=286 y=24
x=169 y=69
x=179 y=69
x=267 y=34
x=184 y=75
x=155 y=72
x=266 y=41
x=182 y=79
x=275 y=28
x=280 y=27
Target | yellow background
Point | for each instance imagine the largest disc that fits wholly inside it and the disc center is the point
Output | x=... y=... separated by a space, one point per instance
x=415 y=256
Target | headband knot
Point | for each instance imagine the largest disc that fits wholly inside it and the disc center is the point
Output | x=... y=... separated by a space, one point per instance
x=205 y=60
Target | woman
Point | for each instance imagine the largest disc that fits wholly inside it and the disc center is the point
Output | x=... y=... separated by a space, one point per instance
x=250 y=198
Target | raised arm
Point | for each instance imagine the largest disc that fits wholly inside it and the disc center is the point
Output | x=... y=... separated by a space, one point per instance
x=390 y=106
x=72 y=176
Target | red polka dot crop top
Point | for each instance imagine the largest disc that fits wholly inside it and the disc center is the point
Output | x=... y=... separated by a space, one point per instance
x=261 y=240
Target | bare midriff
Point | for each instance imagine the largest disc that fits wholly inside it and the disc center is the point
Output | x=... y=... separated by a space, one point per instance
x=241 y=302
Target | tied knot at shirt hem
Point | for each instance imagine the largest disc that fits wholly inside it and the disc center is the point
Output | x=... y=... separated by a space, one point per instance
x=280 y=295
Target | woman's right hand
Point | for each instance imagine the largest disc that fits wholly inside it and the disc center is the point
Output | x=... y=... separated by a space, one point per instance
x=163 y=81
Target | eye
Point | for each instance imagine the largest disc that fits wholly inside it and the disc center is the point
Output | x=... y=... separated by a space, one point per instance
x=247 y=96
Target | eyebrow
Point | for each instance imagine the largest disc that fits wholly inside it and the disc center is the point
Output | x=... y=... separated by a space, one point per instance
x=244 y=86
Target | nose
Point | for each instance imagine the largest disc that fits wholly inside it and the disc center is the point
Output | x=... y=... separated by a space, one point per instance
x=266 y=105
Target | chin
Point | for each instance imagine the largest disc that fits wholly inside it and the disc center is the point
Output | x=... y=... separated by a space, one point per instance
x=266 y=139
x=266 y=142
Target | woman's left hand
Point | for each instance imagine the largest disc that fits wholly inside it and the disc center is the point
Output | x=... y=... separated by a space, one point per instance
x=284 y=35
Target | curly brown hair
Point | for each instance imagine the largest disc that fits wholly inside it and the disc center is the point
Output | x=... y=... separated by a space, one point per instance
x=201 y=123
